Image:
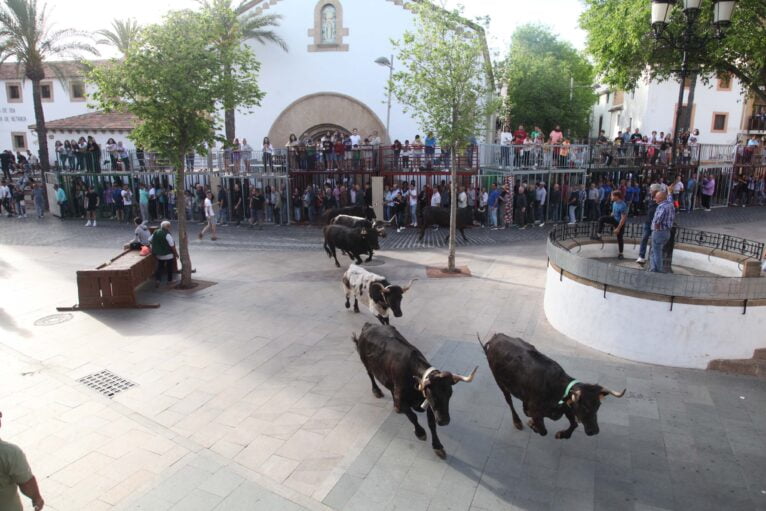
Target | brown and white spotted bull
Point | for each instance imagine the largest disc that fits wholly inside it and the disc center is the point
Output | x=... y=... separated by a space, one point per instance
x=374 y=291
x=544 y=388
x=414 y=384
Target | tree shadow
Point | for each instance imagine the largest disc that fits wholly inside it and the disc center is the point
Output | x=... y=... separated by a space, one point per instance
x=7 y=323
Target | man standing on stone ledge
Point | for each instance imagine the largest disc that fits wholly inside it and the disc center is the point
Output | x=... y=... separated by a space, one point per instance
x=662 y=223
x=15 y=472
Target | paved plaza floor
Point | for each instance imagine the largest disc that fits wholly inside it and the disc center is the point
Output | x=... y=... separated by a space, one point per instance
x=249 y=394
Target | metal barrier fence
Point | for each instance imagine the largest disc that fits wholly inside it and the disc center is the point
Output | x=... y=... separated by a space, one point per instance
x=712 y=240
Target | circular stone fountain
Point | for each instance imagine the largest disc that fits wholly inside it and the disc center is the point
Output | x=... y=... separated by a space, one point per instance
x=712 y=306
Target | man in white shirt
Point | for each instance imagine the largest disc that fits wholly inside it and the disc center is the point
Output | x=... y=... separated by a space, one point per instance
x=127 y=202
x=412 y=194
x=5 y=198
x=209 y=217
x=355 y=138
x=436 y=199
x=462 y=198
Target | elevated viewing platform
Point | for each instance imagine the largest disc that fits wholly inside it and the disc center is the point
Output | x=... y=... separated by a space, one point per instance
x=712 y=306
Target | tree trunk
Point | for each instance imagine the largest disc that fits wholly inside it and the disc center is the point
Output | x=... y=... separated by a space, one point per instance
x=183 y=239
x=229 y=121
x=452 y=208
x=42 y=132
x=686 y=121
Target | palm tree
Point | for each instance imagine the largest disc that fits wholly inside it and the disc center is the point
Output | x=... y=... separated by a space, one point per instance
x=27 y=38
x=235 y=26
x=122 y=34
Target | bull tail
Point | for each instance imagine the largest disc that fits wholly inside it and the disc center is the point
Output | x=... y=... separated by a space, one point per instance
x=483 y=346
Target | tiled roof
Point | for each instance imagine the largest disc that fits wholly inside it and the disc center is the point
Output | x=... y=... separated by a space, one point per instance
x=69 y=68
x=93 y=121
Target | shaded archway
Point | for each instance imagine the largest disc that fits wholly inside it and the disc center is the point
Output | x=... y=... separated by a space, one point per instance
x=326 y=108
x=317 y=131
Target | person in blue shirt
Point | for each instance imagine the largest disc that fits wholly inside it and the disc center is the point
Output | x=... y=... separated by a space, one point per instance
x=492 y=204
x=618 y=218
x=430 y=148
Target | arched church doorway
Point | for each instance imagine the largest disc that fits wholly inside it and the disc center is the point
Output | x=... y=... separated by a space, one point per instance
x=319 y=130
x=331 y=110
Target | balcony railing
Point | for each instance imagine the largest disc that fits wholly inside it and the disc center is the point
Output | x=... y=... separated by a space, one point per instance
x=387 y=160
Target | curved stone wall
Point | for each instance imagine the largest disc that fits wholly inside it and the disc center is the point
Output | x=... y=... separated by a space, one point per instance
x=667 y=319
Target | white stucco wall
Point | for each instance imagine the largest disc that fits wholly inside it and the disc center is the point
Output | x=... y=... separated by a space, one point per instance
x=16 y=117
x=652 y=108
x=648 y=331
x=287 y=77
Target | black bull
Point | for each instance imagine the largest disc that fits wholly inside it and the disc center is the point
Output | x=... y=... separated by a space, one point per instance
x=414 y=384
x=543 y=387
x=352 y=241
x=440 y=216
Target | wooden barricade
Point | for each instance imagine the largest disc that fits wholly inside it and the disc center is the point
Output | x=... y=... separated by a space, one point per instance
x=113 y=284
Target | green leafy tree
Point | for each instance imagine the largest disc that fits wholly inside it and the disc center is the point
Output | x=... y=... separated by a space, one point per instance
x=620 y=41
x=548 y=82
x=122 y=34
x=170 y=80
x=232 y=27
x=445 y=80
x=26 y=37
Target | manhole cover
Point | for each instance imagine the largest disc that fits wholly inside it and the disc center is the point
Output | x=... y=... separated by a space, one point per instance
x=54 y=319
x=374 y=262
x=106 y=383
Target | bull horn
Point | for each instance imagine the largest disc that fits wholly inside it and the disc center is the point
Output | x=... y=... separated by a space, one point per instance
x=457 y=378
x=408 y=286
x=606 y=392
x=383 y=289
x=364 y=232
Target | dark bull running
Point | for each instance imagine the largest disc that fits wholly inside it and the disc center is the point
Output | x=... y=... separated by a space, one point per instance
x=543 y=387
x=440 y=216
x=351 y=241
x=414 y=384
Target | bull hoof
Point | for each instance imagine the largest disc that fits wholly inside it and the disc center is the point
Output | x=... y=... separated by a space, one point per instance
x=337 y=265
x=421 y=435
x=518 y=425
x=563 y=435
x=440 y=453
x=348 y=305
x=368 y=259
x=356 y=309
x=377 y=393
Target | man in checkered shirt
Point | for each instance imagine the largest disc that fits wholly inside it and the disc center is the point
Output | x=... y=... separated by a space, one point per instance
x=662 y=224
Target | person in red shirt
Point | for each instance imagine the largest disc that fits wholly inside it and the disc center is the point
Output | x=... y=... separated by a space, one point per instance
x=340 y=149
x=518 y=139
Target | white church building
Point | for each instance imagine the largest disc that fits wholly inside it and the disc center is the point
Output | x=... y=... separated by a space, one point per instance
x=328 y=79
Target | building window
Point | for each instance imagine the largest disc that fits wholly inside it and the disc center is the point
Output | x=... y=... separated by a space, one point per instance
x=13 y=92
x=46 y=91
x=720 y=122
x=19 y=141
x=724 y=82
x=328 y=31
x=77 y=90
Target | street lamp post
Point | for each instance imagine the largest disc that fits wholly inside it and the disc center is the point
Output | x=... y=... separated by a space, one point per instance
x=686 y=42
x=383 y=61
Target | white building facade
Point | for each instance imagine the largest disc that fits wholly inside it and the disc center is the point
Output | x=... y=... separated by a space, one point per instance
x=327 y=80
x=720 y=110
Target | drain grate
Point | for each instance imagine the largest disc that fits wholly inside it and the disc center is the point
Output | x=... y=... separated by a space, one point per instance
x=54 y=319
x=106 y=383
